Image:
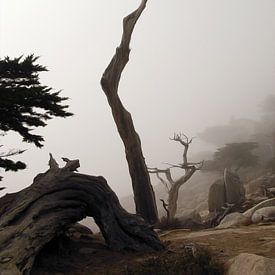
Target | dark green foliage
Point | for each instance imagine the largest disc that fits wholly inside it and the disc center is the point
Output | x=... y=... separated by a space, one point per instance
x=233 y=156
x=200 y=263
x=24 y=103
x=10 y=165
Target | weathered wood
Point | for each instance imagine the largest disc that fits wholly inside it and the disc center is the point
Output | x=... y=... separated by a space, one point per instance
x=57 y=198
x=143 y=192
x=173 y=186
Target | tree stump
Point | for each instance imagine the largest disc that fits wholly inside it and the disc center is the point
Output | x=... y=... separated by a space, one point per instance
x=58 y=198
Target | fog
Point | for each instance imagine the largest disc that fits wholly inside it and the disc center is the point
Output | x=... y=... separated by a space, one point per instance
x=194 y=64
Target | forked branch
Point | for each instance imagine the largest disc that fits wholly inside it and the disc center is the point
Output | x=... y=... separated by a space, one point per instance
x=189 y=169
x=168 y=183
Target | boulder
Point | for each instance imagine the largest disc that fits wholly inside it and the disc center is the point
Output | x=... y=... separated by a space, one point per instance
x=271 y=190
x=258 y=187
x=77 y=231
x=234 y=189
x=255 y=188
x=233 y=220
x=266 y=203
x=216 y=196
x=264 y=214
x=189 y=214
x=250 y=264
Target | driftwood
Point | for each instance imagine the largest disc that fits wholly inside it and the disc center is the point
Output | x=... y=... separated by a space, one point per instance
x=143 y=191
x=58 y=198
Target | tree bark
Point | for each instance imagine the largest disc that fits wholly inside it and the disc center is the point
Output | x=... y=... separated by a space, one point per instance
x=57 y=198
x=173 y=186
x=173 y=195
x=143 y=192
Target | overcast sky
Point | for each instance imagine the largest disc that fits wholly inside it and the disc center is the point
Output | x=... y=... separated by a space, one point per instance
x=193 y=64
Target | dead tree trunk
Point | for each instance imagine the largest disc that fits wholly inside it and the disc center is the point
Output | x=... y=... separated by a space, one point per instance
x=34 y=216
x=173 y=186
x=173 y=196
x=143 y=191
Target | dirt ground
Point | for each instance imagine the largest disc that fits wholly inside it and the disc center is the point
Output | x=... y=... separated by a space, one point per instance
x=91 y=256
x=227 y=243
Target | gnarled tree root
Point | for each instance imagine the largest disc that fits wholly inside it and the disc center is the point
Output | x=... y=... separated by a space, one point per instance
x=57 y=198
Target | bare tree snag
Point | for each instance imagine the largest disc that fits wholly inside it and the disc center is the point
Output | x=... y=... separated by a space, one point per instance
x=58 y=198
x=173 y=186
x=143 y=191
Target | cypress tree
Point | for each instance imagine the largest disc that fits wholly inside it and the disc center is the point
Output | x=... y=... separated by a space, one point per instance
x=25 y=104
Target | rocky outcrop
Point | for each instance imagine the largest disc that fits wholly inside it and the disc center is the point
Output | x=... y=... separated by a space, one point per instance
x=229 y=190
x=233 y=220
x=234 y=189
x=266 y=203
x=250 y=264
x=78 y=231
x=265 y=214
x=260 y=187
x=262 y=212
x=216 y=196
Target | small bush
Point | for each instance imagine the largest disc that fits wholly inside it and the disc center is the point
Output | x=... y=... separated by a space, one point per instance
x=199 y=263
x=164 y=224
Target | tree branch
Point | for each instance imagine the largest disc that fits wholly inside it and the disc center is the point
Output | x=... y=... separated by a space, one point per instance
x=166 y=172
x=111 y=76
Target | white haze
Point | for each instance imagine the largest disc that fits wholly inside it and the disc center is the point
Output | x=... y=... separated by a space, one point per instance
x=193 y=64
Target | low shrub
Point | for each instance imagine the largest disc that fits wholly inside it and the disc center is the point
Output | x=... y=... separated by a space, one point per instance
x=199 y=262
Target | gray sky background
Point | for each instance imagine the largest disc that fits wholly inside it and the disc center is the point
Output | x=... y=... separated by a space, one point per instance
x=194 y=64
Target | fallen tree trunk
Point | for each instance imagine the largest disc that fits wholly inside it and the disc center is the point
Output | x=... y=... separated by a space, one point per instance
x=57 y=198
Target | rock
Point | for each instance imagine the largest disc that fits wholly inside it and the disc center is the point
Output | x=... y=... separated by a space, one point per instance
x=271 y=190
x=266 y=203
x=255 y=188
x=259 y=186
x=259 y=199
x=78 y=230
x=189 y=214
x=233 y=220
x=250 y=264
x=264 y=214
x=234 y=189
x=216 y=196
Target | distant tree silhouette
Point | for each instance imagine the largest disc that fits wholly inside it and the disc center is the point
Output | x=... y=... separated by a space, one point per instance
x=25 y=104
x=233 y=156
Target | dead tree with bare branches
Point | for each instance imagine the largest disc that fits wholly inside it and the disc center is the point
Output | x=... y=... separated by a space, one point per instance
x=143 y=192
x=172 y=186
